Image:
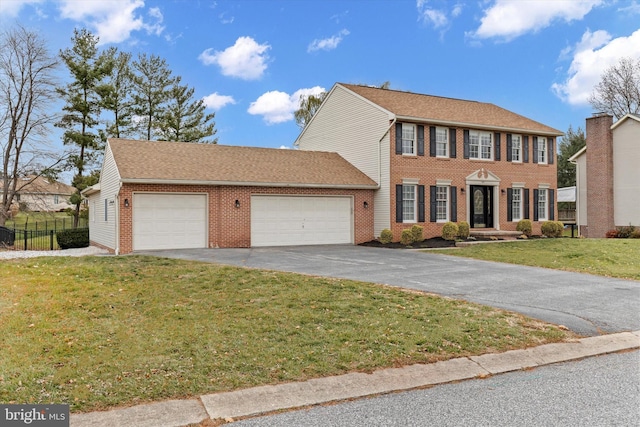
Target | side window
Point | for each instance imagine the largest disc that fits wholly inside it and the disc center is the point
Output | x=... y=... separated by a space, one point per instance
x=408 y=139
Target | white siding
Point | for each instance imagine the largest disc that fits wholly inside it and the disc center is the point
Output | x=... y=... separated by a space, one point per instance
x=101 y=231
x=353 y=127
x=581 y=180
x=626 y=174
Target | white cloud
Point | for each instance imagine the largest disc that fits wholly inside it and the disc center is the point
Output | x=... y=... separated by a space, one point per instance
x=328 y=43
x=215 y=101
x=508 y=19
x=12 y=7
x=246 y=59
x=278 y=107
x=592 y=55
x=437 y=16
x=633 y=8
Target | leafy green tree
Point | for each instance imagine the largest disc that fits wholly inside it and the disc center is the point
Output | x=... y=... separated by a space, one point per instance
x=184 y=118
x=88 y=68
x=308 y=107
x=152 y=81
x=116 y=95
x=570 y=144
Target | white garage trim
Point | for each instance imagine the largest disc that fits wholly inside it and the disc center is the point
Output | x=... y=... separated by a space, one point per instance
x=279 y=220
x=169 y=221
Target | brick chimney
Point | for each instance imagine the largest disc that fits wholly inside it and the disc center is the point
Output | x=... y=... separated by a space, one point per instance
x=599 y=175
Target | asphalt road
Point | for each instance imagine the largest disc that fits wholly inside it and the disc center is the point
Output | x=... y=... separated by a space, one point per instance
x=599 y=391
x=587 y=304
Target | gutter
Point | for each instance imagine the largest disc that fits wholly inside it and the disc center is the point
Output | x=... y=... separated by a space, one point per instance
x=248 y=183
x=477 y=126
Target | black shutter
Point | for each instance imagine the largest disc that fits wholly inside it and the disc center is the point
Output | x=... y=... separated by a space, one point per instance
x=454 y=204
x=420 y=203
x=432 y=141
x=525 y=198
x=550 y=150
x=420 y=140
x=399 y=203
x=509 y=202
x=432 y=204
x=509 y=148
x=525 y=149
x=535 y=149
x=536 y=214
x=496 y=146
x=398 y=138
x=552 y=207
x=466 y=144
x=452 y=143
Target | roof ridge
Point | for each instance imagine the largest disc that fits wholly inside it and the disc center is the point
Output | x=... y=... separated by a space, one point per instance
x=417 y=93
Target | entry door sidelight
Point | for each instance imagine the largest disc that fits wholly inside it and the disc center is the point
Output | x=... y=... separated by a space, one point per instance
x=481 y=206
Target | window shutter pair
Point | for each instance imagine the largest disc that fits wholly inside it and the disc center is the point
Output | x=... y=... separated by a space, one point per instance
x=399 y=217
x=496 y=146
x=509 y=198
x=432 y=142
x=453 y=204
x=509 y=148
x=420 y=138
x=466 y=150
x=535 y=149
x=525 y=150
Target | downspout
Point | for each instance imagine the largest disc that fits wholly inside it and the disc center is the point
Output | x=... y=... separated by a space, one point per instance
x=117 y=224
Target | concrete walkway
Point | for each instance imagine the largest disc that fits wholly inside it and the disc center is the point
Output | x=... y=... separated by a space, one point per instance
x=265 y=399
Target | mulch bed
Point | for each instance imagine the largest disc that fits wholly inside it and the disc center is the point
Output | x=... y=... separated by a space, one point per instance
x=436 y=242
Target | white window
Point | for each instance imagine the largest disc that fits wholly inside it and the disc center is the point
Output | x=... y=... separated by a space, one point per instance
x=409 y=203
x=408 y=139
x=442 y=142
x=542 y=150
x=516 y=149
x=542 y=204
x=442 y=203
x=516 y=204
x=480 y=145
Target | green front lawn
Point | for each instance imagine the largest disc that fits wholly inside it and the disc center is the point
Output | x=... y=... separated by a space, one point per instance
x=605 y=257
x=97 y=332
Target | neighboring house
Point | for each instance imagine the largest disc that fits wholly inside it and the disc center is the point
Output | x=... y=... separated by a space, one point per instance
x=439 y=159
x=608 y=175
x=39 y=194
x=166 y=195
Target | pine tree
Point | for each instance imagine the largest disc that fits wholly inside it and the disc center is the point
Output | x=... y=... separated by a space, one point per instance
x=570 y=144
x=116 y=97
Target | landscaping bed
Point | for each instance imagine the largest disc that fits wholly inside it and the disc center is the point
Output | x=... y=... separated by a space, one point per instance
x=436 y=242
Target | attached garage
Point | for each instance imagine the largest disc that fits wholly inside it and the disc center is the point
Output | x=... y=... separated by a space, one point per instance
x=169 y=221
x=301 y=220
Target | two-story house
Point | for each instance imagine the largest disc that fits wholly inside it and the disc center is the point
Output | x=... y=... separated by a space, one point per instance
x=439 y=159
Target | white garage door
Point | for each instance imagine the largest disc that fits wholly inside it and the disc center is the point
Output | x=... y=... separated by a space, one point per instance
x=169 y=221
x=290 y=220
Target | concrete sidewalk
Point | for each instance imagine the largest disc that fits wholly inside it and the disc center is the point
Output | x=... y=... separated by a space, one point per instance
x=259 y=400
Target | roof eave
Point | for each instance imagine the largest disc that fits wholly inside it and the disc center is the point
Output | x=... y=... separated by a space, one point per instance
x=578 y=154
x=479 y=126
x=624 y=119
x=249 y=183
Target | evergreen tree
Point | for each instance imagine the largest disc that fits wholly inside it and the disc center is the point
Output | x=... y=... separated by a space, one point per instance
x=184 y=118
x=570 y=144
x=88 y=68
x=116 y=96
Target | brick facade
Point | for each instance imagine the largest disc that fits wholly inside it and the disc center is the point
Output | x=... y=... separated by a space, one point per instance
x=599 y=176
x=428 y=170
x=230 y=227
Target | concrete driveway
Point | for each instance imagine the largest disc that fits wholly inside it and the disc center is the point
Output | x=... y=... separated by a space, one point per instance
x=588 y=305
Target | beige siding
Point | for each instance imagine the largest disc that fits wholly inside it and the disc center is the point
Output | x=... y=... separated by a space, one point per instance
x=100 y=230
x=626 y=174
x=357 y=130
x=581 y=179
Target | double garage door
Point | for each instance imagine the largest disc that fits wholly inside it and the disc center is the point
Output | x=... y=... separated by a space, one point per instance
x=300 y=220
x=179 y=221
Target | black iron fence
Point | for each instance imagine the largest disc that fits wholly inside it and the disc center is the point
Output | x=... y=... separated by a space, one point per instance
x=28 y=240
x=55 y=224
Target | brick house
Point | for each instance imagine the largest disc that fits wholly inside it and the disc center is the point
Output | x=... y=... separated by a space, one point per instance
x=607 y=175
x=169 y=195
x=440 y=159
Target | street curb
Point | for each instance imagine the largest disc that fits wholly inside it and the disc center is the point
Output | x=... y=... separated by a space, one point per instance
x=265 y=399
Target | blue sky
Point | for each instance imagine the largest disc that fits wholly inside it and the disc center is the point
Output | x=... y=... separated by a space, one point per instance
x=252 y=59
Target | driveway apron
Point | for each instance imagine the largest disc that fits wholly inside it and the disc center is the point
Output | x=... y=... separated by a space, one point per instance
x=586 y=304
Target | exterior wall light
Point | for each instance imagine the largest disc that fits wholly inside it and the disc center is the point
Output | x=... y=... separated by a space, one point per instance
x=126 y=203
x=366 y=205
x=237 y=203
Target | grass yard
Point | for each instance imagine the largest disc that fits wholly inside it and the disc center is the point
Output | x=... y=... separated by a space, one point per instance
x=48 y=220
x=97 y=332
x=605 y=257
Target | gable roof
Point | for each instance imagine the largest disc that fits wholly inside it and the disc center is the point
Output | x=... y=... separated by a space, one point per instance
x=449 y=111
x=212 y=164
x=630 y=116
x=41 y=185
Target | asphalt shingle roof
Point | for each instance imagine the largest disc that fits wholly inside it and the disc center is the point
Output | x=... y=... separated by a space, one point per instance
x=151 y=161
x=449 y=110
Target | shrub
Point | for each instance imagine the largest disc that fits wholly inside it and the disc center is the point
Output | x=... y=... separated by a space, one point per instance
x=416 y=233
x=552 y=228
x=559 y=228
x=450 y=231
x=524 y=226
x=463 y=229
x=611 y=234
x=407 y=237
x=635 y=234
x=386 y=236
x=73 y=238
x=625 y=232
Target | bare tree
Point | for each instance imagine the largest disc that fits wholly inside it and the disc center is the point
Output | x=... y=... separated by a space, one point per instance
x=618 y=92
x=27 y=87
